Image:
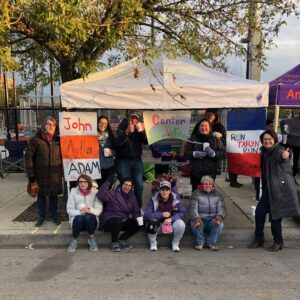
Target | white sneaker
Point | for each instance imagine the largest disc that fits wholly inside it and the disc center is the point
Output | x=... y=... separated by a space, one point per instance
x=153 y=246
x=72 y=247
x=175 y=247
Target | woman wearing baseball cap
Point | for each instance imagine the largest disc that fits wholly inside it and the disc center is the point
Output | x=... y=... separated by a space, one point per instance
x=164 y=214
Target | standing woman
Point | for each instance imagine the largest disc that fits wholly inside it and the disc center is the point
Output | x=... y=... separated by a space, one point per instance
x=204 y=152
x=107 y=149
x=44 y=165
x=279 y=196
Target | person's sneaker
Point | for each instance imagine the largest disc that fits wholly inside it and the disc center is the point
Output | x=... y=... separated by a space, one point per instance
x=56 y=221
x=175 y=247
x=124 y=245
x=72 y=247
x=199 y=247
x=153 y=246
x=115 y=247
x=211 y=247
x=93 y=244
x=39 y=223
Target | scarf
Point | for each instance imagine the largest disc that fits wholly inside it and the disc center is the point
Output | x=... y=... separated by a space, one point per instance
x=103 y=138
x=84 y=193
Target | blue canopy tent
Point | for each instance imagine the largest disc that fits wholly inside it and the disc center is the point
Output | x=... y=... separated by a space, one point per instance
x=285 y=91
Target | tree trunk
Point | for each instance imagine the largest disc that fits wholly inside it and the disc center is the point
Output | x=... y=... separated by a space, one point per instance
x=68 y=71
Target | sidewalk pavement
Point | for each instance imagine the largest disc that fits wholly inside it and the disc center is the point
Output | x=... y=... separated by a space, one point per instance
x=239 y=224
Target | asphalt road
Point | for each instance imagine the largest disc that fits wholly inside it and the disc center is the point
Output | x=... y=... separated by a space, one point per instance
x=140 y=274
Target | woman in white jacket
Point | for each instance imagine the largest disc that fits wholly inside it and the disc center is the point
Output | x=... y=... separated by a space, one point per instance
x=84 y=209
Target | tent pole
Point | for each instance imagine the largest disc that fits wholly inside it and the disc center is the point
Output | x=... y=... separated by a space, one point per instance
x=276 y=118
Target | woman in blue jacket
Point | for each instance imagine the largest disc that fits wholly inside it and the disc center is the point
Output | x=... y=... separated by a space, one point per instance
x=164 y=213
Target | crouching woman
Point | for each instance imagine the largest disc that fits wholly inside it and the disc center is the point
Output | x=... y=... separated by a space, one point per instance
x=207 y=212
x=164 y=213
x=84 y=209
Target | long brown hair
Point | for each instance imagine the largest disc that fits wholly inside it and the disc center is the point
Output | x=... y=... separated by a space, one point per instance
x=87 y=178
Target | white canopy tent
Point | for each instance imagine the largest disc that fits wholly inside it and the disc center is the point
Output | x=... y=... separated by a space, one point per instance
x=166 y=84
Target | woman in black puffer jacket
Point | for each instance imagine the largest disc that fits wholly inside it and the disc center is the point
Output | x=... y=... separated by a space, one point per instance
x=204 y=152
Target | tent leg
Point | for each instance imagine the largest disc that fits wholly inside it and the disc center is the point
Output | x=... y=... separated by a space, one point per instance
x=276 y=118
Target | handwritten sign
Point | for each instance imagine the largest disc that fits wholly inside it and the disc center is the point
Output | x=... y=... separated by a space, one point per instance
x=79 y=144
x=161 y=125
x=242 y=141
x=78 y=123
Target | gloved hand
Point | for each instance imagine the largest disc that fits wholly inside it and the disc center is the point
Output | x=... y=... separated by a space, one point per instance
x=218 y=221
x=218 y=135
x=197 y=223
x=111 y=178
x=199 y=154
x=210 y=152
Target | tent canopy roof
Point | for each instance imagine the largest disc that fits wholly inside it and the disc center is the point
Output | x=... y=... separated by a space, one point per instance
x=165 y=84
x=285 y=90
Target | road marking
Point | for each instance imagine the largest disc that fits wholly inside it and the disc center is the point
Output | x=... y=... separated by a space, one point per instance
x=57 y=229
x=35 y=230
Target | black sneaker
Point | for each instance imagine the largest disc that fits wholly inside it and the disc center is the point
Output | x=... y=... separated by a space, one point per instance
x=56 y=221
x=124 y=245
x=39 y=223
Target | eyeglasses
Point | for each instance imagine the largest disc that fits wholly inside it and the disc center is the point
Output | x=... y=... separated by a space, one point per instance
x=129 y=185
x=165 y=189
x=207 y=183
x=103 y=123
x=51 y=125
x=82 y=181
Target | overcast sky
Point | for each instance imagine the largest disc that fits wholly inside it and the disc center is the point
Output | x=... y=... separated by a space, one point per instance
x=280 y=59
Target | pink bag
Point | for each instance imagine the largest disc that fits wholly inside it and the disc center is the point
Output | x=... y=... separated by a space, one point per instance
x=166 y=228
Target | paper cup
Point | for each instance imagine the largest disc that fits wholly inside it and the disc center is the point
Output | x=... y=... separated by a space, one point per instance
x=140 y=221
x=139 y=127
x=106 y=152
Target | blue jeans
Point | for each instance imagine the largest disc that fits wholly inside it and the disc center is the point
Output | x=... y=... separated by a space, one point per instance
x=207 y=227
x=84 y=222
x=53 y=201
x=133 y=169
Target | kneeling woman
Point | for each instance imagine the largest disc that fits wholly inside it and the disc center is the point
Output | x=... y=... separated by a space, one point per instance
x=207 y=211
x=84 y=209
x=164 y=213
x=121 y=212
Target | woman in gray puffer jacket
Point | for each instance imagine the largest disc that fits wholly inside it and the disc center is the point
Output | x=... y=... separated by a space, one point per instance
x=207 y=212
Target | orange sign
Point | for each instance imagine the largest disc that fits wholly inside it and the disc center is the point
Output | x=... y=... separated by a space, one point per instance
x=79 y=147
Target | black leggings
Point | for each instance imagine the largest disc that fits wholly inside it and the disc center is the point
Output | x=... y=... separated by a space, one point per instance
x=116 y=225
x=296 y=152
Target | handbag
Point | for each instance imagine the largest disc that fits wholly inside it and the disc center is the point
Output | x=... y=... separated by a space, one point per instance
x=166 y=228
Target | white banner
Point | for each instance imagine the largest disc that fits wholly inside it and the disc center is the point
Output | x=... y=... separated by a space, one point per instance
x=78 y=123
x=74 y=167
x=245 y=141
